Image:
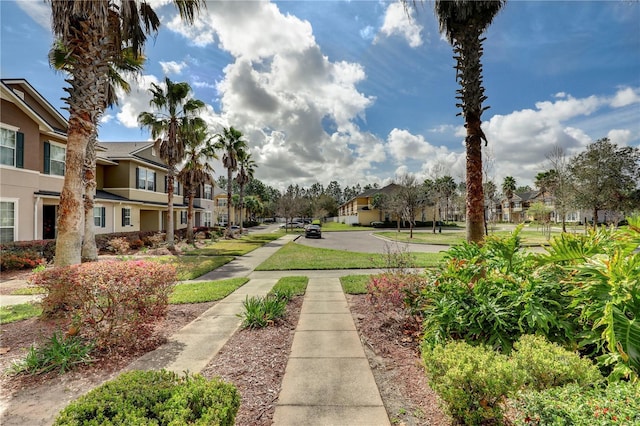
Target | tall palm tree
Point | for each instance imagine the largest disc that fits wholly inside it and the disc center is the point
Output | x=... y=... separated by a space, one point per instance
x=93 y=33
x=508 y=189
x=231 y=143
x=126 y=62
x=174 y=113
x=244 y=176
x=196 y=170
x=463 y=22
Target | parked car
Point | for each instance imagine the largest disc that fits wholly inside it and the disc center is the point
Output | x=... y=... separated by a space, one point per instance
x=313 y=231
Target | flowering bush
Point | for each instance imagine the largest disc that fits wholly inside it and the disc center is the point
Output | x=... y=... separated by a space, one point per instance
x=113 y=302
x=119 y=245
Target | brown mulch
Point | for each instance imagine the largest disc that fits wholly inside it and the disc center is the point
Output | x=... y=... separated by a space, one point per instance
x=254 y=360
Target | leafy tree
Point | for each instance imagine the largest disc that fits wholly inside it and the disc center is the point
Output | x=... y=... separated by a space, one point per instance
x=605 y=176
x=93 y=33
x=380 y=201
x=245 y=174
x=231 y=143
x=335 y=191
x=409 y=200
x=288 y=206
x=524 y=188
x=197 y=170
x=173 y=116
x=446 y=188
x=463 y=22
x=508 y=189
x=557 y=181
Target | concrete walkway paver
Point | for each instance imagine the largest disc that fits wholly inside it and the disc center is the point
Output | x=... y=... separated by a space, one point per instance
x=328 y=380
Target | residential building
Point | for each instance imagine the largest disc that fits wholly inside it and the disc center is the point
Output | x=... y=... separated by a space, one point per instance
x=131 y=179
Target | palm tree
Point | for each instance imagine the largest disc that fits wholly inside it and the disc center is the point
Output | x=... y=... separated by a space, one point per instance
x=93 y=33
x=463 y=22
x=127 y=62
x=245 y=174
x=508 y=189
x=173 y=116
x=230 y=141
x=197 y=170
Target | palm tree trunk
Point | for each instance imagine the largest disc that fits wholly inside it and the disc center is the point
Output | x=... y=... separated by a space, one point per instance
x=241 y=206
x=192 y=194
x=89 y=248
x=229 y=176
x=170 y=230
x=475 y=193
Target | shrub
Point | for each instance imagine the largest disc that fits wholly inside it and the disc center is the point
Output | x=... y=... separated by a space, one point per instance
x=618 y=403
x=155 y=397
x=22 y=259
x=548 y=365
x=119 y=245
x=260 y=312
x=60 y=353
x=154 y=241
x=473 y=381
x=389 y=291
x=113 y=302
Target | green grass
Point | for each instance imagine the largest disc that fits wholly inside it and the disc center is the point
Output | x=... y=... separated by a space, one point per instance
x=336 y=226
x=192 y=267
x=28 y=291
x=19 y=312
x=205 y=291
x=530 y=237
x=355 y=284
x=296 y=286
x=235 y=247
x=296 y=256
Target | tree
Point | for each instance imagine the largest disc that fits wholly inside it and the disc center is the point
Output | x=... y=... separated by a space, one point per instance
x=288 y=206
x=605 y=176
x=558 y=181
x=245 y=174
x=197 y=170
x=126 y=62
x=231 y=143
x=463 y=22
x=446 y=188
x=508 y=189
x=174 y=114
x=409 y=198
x=93 y=33
x=380 y=202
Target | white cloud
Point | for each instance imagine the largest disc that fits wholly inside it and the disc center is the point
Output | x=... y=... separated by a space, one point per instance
x=172 y=67
x=368 y=33
x=403 y=145
x=620 y=136
x=39 y=11
x=396 y=22
x=626 y=96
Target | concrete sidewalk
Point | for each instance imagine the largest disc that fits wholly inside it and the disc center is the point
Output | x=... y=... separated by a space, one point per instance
x=328 y=380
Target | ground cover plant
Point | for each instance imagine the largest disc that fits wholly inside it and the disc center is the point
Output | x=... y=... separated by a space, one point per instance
x=260 y=312
x=61 y=353
x=155 y=397
x=294 y=256
x=583 y=294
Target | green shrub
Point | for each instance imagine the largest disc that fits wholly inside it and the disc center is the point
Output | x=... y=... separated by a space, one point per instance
x=262 y=311
x=546 y=364
x=60 y=353
x=155 y=397
x=114 y=303
x=618 y=403
x=473 y=381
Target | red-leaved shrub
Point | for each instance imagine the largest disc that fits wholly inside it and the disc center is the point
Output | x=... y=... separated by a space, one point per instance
x=113 y=302
x=388 y=291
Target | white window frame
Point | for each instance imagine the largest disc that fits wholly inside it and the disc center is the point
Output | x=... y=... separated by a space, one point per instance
x=148 y=180
x=207 y=219
x=97 y=214
x=52 y=146
x=208 y=191
x=126 y=218
x=13 y=226
x=222 y=202
x=184 y=219
x=15 y=130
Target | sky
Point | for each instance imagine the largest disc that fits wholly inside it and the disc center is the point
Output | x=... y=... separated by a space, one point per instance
x=357 y=92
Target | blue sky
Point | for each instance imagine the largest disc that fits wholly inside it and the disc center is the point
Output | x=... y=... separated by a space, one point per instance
x=354 y=91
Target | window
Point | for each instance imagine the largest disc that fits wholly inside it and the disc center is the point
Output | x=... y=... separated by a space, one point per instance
x=208 y=192
x=7 y=221
x=207 y=219
x=54 y=159
x=183 y=218
x=99 y=217
x=146 y=179
x=222 y=202
x=126 y=216
x=11 y=147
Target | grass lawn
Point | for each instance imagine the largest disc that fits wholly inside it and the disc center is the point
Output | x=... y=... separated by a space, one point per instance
x=354 y=284
x=296 y=256
x=205 y=291
x=296 y=286
x=192 y=267
x=336 y=226
x=236 y=247
x=19 y=312
x=529 y=237
x=28 y=291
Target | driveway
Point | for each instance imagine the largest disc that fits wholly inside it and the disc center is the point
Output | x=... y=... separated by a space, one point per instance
x=366 y=242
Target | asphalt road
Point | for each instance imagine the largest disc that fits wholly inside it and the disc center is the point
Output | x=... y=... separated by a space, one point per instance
x=365 y=242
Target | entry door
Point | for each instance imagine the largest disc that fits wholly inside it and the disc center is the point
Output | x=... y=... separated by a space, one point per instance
x=48 y=222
